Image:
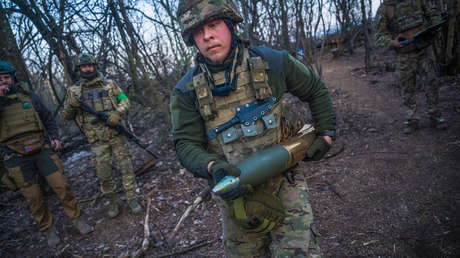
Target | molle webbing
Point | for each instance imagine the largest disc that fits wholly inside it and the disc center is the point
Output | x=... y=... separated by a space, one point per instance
x=20 y=117
x=98 y=98
x=252 y=70
x=259 y=78
x=239 y=140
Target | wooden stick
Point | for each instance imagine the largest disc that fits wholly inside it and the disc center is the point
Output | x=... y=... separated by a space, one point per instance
x=188 y=249
x=147 y=165
x=145 y=242
x=201 y=196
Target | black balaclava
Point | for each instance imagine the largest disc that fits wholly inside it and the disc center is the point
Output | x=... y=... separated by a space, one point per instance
x=89 y=75
x=228 y=65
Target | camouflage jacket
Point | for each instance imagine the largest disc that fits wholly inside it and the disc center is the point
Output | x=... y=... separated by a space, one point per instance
x=403 y=18
x=285 y=74
x=113 y=99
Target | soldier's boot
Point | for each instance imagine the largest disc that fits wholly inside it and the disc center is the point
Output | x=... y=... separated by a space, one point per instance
x=112 y=209
x=51 y=237
x=410 y=126
x=82 y=226
x=136 y=208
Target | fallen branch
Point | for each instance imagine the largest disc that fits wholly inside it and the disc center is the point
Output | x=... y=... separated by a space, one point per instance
x=201 y=196
x=145 y=242
x=188 y=249
x=146 y=166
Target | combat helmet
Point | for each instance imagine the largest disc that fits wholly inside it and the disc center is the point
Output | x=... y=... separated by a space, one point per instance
x=5 y=67
x=194 y=13
x=85 y=58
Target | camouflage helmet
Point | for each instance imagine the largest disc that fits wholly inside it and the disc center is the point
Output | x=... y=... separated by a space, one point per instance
x=5 y=67
x=85 y=58
x=194 y=13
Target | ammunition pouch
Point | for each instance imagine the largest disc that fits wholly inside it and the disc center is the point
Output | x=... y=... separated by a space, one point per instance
x=27 y=145
x=9 y=182
x=258 y=212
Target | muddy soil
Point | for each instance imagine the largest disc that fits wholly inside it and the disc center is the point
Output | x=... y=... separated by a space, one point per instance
x=386 y=194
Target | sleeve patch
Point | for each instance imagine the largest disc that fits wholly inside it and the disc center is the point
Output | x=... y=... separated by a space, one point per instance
x=121 y=97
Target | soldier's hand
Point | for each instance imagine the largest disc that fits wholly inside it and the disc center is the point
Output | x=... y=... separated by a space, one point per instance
x=220 y=169
x=56 y=144
x=3 y=90
x=114 y=118
x=321 y=145
x=398 y=42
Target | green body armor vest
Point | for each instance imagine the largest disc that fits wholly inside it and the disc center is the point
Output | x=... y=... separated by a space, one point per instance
x=239 y=141
x=21 y=128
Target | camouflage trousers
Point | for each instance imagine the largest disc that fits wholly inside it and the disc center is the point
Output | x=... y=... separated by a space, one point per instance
x=25 y=170
x=294 y=238
x=102 y=157
x=418 y=68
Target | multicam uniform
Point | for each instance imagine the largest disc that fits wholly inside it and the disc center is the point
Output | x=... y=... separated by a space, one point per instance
x=261 y=73
x=103 y=95
x=404 y=18
x=24 y=124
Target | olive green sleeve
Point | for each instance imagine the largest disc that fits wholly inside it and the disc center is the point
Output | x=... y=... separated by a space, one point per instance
x=189 y=134
x=68 y=112
x=383 y=36
x=308 y=87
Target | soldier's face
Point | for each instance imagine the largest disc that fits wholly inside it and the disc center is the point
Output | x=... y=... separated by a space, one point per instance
x=6 y=81
x=87 y=68
x=213 y=39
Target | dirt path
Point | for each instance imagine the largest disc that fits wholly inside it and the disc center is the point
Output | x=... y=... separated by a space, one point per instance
x=387 y=194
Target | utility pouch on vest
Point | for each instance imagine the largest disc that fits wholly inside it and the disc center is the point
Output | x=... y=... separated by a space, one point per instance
x=27 y=145
x=258 y=77
x=204 y=95
x=258 y=212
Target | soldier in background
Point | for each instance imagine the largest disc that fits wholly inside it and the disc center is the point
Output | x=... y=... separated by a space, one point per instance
x=275 y=219
x=24 y=124
x=103 y=95
x=397 y=23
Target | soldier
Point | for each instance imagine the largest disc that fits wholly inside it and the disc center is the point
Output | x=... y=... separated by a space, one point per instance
x=25 y=122
x=103 y=95
x=397 y=23
x=231 y=73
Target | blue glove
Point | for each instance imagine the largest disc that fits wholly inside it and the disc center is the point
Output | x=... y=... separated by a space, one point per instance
x=221 y=169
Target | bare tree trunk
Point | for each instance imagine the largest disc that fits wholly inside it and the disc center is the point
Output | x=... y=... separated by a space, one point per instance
x=367 y=60
x=50 y=33
x=284 y=25
x=9 y=50
x=144 y=84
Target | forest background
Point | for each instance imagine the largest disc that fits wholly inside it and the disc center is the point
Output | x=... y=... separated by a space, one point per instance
x=138 y=44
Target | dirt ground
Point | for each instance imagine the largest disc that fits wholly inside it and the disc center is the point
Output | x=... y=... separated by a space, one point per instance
x=386 y=195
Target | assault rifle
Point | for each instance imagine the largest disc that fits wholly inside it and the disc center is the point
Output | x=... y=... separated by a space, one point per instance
x=102 y=117
x=421 y=38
